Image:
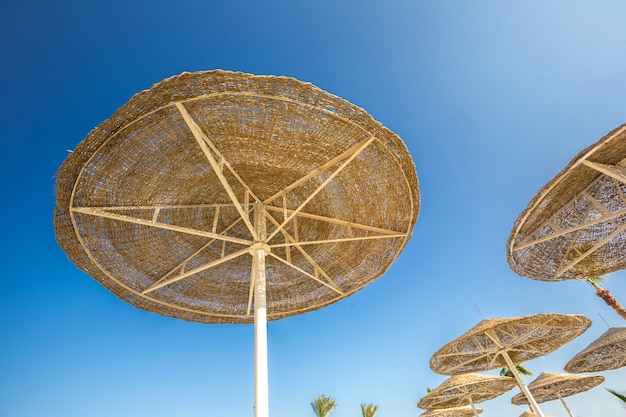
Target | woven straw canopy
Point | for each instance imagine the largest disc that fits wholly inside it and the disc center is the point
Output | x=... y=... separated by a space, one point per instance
x=465 y=411
x=550 y=386
x=466 y=389
x=157 y=202
x=605 y=353
x=575 y=227
x=521 y=338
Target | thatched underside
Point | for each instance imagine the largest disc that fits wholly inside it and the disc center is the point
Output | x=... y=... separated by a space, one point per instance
x=550 y=386
x=605 y=353
x=522 y=338
x=466 y=411
x=460 y=390
x=575 y=227
x=142 y=204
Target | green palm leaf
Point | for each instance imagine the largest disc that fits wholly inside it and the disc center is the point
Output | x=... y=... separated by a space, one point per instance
x=323 y=405
x=369 y=410
x=617 y=394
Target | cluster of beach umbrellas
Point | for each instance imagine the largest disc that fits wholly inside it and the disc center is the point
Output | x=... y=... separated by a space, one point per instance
x=573 y=229
x=222 y=197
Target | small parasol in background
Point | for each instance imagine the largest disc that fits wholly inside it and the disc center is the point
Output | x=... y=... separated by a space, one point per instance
x=607 y=352
x=465 y=411
x=466 y=389
x=494 y=343
x=223 y=197
x=575 y=226
x=551 y=386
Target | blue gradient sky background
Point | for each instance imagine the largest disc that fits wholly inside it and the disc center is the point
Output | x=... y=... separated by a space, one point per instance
x=493 y=98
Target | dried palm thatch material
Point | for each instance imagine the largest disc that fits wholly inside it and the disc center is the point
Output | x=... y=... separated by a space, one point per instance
x=607 y=352
x=466 y=389
x=465 y=411
x=551 y=386
x=487 y=344
x=157 y=202
x=575 y=227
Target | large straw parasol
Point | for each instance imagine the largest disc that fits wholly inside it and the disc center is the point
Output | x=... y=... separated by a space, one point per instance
x=575 y=227
x=605 y=353
x=494 y=343
x=551 y=386
x=465 y=411
x=222 y=197
x=466 y=389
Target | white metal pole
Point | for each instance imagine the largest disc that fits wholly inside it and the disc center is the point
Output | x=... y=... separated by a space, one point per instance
x=520 y=382
x=565 y=405
x=258 y=251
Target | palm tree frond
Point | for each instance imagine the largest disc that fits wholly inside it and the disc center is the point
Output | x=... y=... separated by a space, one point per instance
x=369 y=410
x=322 y=405
x=520 y=369
x=617 y=394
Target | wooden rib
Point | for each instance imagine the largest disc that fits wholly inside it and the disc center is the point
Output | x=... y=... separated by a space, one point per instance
x=614 y=171
x=194 y=271
x=251 y=289
x=606 y=216
x=158 y=225
x=208 y=149
x=215 y=220
x=285 y=215
x=183 y=263
x=302 y=251
x=355 y=153
x=351 y=152
x=554 y=215
x=571 y=229
x=347 y=239
x=590 y=251
x=162 y=207
x=305 y=273
x=336 y=221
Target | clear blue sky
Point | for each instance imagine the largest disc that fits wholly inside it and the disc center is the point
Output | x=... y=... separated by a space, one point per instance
x=493 y=98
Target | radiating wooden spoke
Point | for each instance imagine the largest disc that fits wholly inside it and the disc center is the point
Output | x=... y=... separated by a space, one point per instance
x=194 y=271
x=332 y=220
x=209 y=149
x=320 y=242
x=592 y=250
x=308 y=257
x=302 y=271
x=162 y=207
x=614 y=171
x=181 y=265
x=251 y=289
x=605 y=216
x=354 y=150
x=353 y=155
x=156 y=224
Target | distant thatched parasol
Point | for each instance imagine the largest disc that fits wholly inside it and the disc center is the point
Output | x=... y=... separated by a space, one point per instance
x=605 y=353
x=494 y=343
x=466 y=389
x=216 y=194
x=465 y=411
x=575 y=227
x=550 y=386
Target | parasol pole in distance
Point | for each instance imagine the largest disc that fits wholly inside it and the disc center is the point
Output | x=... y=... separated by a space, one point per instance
x=565 y=405
x=469 y=397
x=516 y=374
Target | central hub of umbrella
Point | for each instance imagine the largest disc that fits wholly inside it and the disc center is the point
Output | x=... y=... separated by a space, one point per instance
x=259 y=246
